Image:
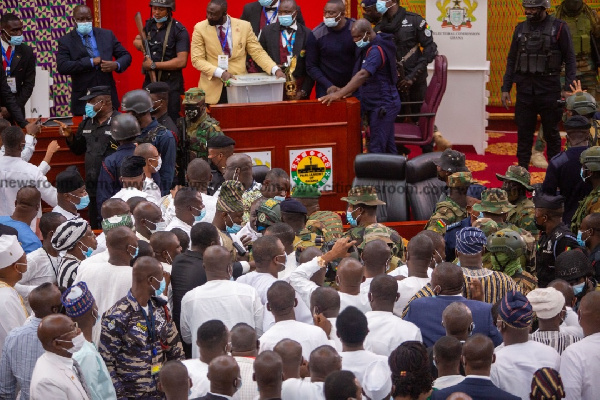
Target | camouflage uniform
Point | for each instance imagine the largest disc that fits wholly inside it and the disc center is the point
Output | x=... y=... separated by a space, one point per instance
x=523 y=215
x=448 y=210
x=267 y=214
x=590 y=158
x=200 y=131
x=324 y=223
x=134 y=357
x=364 y=234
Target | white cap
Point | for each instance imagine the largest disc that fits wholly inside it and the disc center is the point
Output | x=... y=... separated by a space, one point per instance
x=547 y=303
x=10 y=250
x=377 y=383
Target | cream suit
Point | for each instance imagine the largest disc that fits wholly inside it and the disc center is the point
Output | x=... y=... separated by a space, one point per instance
x=206 y=47
x=54 y=379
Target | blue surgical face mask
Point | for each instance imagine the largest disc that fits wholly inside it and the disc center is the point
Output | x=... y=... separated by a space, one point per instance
x=161 y=288
x=580 y=241
x=381 y=6
x=88 y=252
x=331 y=22
x=84 y=28
x=578 y=289
x=285 y=20
x=15 y=40
x=279 y=198
x=83 y=202
x=351 y=220
x=89 y=110
x=265 y=3
x=581 y=173
x=198 y=218
x=137 y=251
x=161 y=20
x=234 y=228
x=362 y=42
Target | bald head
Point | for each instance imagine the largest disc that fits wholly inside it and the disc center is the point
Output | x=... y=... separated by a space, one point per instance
x=223 y=374
x=281 y=297
x=375 y=256
x=144 y=268
x=147 y=211
x=28 y=195
x=384 y=289
x=52 y=327
x=478 y=354
x=420 y=248
x=589 y=312
x=447 y=279
x=326 y=301
x=174 y=380
x=349 y=274
x=565 y=288
x=239 y=160
x=309 y=254
x=112 y=207
x=119 y=238
x=45 y=300
x=268 y=371
x=146 y=150
x=243 y=338
x=217 y=262
x=323 y=361
x=198 y=174
x=290 y=352
x=362 y=26
x=457 y=319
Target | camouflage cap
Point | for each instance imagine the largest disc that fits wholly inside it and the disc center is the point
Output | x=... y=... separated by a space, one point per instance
x=230 y=197
x=267 y=214
x=376 y=231
x=494 y=201
x=591 y=158
x=194 y=96
x=325 y=223
x=366 y=195
x=517 y=174
x=487 y=225
x=452 y=161
x=460 y=179
x=304 y=191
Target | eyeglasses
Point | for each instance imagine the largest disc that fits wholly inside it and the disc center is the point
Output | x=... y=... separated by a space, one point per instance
x=75 y=330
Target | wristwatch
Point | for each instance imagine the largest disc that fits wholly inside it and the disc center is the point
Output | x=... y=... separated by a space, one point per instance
x=321 y=262
x=153 y=66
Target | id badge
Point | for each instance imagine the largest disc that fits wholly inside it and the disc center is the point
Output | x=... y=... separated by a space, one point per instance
x=223 y=62
x=156 y=368
x=12 y=83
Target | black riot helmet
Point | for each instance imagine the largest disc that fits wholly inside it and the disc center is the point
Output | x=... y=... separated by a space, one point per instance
x=138 y=101
x=163 y=3
x=124 y=126
x=536 y=3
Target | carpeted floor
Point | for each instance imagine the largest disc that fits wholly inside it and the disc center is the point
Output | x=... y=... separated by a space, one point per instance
x=499 y=155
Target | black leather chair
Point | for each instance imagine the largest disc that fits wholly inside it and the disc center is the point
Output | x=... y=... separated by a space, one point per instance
x=387 y=172
x=259 y=172
x=423 y=187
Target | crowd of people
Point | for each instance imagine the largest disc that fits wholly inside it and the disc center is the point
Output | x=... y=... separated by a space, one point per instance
x=168 y=271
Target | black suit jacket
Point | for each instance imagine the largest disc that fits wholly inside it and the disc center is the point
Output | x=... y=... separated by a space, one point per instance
x=478 y=389
x=270 y=40
x=23 y=69
x=210 y=396
x=10 y=101
x=252 y=12
x=73 y=59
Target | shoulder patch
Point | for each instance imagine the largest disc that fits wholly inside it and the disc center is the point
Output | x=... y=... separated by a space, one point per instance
x=427 y=32
x=422 y=24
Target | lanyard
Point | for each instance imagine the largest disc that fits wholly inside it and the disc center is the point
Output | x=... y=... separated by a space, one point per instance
x=224 y=42
x=51 y=263
x=270 y=20
x=150 y=325
x=289 y=44
x=7 y=60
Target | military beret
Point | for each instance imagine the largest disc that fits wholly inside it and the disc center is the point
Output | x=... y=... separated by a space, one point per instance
x=157 y=87
x=219 y=142
x=542 y=200
x=292 y=206
x=304 y=191
x=95 y=92
x=132 y=166
x=69 y=180
x=577 y=122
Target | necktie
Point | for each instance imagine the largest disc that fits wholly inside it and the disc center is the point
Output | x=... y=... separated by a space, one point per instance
x=5 y=60
x=88 y=45
x=79 y=374
x=224 y=42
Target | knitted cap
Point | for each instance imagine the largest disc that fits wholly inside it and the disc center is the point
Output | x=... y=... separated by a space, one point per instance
x=547 y=384
x=69 y=233
x=470 y=240
x=77 y=300
x=547 y=303
x=515 y=310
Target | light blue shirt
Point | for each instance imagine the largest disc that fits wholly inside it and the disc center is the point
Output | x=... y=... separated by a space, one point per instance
x=94 y=47
x=28 y=240
x=95 y=372
x=21 y=350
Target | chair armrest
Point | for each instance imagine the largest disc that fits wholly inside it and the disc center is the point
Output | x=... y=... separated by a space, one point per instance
x=413 y=102
x=428 y=115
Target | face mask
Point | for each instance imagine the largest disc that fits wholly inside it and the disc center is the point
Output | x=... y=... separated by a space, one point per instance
x=88 y=252
x=84 y=28
x=97 y=317
x=137 y=251
x=283 y=263
x=362 y=43
x=580 y=241
x=78 y=342
x=534 y=17
x=331 y=22
x=578 y=289
x=285 y=20
x=89 y=110
x=191 y=114
x=17 y=268
x=161 y=287
x=157 y=168
x=161 y=20
x=279 y=198
x=381 y=6
x=265 y=3
x=158 y=226
x=200 y=217
x=83 y=202
x=353 y=222
x=15 y=40
x=582 y=175
x=235 y=228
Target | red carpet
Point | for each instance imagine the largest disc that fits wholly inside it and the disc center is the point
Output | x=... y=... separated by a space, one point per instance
x=500 y=153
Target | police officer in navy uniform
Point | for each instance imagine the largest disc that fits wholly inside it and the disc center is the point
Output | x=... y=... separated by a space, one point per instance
x=93 y=139
x=556 y=237
x=168 y=59
x=540 y=46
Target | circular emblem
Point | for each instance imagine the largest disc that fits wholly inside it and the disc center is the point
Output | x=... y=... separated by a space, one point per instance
x=427 y=32
x=262 y=218
x=311 y=167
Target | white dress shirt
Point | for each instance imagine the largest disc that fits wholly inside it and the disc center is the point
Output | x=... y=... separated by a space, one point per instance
x=28 y=150
x=571 y=319
x=177 y=223
x=197 y=371
x=299 y=278
x=13 y=312
x=359 y=301
x=290 y=266
x=515 y=365
x=229 y=301
x=130 y=192
x=444 y=382
x=249 y=388
x=575 y=330
x=302 y=389
x=67 y=214
x=98 y=259
x=580 y=367
x=262 y=281
x=100 y=245
x=309 y=336
x=41 y=268
x=407 y=288
x=55 y=379
x=402 y=270
x=167 y=206
x=333 y=337
x=388 y=331
x=358 y=362
x=152 y=190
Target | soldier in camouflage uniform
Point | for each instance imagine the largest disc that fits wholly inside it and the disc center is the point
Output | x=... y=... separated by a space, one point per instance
x=267 y=214
x=136 y=342
x=389 y=236
x=200 y=126
x=590 y=161
x=361 y=214
x=516 y=183
x=324 y=223
x=507 y=251
x=454 y=207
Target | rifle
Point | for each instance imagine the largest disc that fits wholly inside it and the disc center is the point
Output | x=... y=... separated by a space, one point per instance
x=184 y=145
x=145 y=46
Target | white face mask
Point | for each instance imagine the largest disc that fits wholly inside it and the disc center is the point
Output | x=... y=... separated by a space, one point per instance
x=78 y=342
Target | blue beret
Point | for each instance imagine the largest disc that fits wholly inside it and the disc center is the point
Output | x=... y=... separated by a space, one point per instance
x=515 y=310
x=470 y=240
x=293 y=206
x=542 y=200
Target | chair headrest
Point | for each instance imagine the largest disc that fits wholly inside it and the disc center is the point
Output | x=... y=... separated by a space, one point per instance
x=380 y=166
x=259 y=172
x=422 y=167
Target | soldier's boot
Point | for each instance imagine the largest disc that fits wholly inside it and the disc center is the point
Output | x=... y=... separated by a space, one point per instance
x=441 y=143
x=538 y=159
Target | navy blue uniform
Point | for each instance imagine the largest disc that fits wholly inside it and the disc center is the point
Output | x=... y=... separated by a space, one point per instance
x=538 y=93
x=379 y=99
x=164 y=141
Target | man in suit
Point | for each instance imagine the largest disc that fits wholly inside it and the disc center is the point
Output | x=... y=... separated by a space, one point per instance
x=225 y=378
x=447 y=282
x=10 y=101
x=18 y=62
x=285 y=39
x=220 y=45
x=262 y=13
x=56 y=375
x=477 y=358
x=86 y=53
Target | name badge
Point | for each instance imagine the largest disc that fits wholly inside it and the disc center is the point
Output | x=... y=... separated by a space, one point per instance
x=223 y=62
x=155 y=369
x=87 y=131
x=12 y=83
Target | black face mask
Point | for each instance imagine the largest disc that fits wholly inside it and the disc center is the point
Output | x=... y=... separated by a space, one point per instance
x=537 y=17
x=541 y=227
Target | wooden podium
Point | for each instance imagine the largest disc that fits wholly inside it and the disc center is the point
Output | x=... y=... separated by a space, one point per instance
x=298 y=125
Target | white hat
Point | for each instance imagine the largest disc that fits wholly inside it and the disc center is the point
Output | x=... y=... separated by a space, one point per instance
x=10 y=250
x=377 y=383
x=547 y=303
